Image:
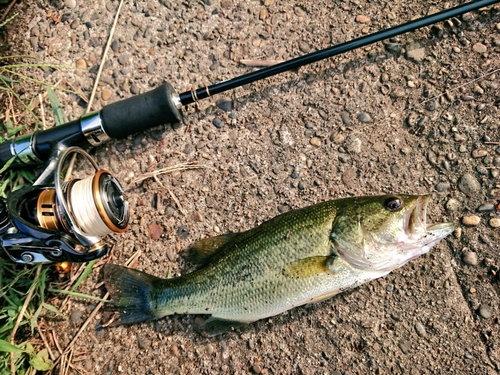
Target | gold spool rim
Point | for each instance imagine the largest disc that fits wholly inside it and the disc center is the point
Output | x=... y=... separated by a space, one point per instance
x=99 y=205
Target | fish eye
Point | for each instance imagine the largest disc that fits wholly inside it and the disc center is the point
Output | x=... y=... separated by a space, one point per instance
x=393 y=204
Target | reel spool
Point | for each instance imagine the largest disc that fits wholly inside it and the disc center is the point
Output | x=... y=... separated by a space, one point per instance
x=48 y=223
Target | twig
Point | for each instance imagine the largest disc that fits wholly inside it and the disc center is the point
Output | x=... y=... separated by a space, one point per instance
x=173 y=168
x=104 y=54
x=455 y=88
x=9 y=7
x=42 y=111
x=20 y=317
x=491 y=143
x=259 y=63
x=44 y=339
x=172 y=195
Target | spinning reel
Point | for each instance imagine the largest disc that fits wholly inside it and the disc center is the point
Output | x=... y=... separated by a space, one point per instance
x=55 y=221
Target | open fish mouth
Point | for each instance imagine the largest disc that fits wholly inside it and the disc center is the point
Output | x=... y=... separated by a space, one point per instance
x=416 y=225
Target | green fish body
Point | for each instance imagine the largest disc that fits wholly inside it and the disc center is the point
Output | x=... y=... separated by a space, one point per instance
x=299 y=257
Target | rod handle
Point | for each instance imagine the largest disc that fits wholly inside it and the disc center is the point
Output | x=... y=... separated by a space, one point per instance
x=140 y=112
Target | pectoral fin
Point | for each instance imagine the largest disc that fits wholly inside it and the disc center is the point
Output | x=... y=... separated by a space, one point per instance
x=309 y=267
x=217 y=326
x=200 y=252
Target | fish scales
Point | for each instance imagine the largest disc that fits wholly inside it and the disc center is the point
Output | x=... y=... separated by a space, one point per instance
x=302 y=256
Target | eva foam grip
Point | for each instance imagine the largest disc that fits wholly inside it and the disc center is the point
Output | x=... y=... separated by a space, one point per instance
x=140 y=112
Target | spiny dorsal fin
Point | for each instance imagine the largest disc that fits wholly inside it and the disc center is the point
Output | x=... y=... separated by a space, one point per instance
x=312 y=266
x=201 y=251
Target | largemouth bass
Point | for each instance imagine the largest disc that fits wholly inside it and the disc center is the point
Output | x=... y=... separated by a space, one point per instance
x=302 y=256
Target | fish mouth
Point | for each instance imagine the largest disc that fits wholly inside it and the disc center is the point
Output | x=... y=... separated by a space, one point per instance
x=416 y=225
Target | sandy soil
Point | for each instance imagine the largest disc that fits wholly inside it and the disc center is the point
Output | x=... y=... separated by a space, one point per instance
x=417 y=114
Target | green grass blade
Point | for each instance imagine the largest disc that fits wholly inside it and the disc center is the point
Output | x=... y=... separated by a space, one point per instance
x=56 y=107
x=77 y=295
x=6 y=346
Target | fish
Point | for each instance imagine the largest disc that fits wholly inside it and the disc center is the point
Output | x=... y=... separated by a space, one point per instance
x=302 y=256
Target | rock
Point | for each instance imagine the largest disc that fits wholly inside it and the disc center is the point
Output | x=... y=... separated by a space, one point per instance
x=494 y=222
x=155 y=231
x=106 y=94
x=344 y=116
x=431 y=105
x=419 y=327
x=471 y=220
x=479 y=48
x=226 y=4
x=151 y=67
x=263 y=14
x=362 y=19
x=134 y=89
x=364 y=117
x=315 y=141
x=452 y=204
x=478 y=153
x=470 y=257
x=354 y=145
x=443 y=186
x=487 y=207
x=81 y=64
x=393 y=48
x=218 y=123
x=485 y=311
x=299 y=12
x=225 y=103
x=415 y=52
x=468 y=184
x=70 y=3
x=183 y=231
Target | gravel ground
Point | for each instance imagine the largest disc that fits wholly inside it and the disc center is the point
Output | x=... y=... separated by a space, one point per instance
x=417 y=114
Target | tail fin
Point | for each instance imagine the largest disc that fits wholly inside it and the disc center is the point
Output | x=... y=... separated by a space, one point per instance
x=131 y=292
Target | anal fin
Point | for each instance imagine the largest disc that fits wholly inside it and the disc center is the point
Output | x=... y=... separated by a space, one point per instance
x=216 y=326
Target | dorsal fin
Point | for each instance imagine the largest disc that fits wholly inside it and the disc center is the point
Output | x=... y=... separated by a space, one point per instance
x=201 y=251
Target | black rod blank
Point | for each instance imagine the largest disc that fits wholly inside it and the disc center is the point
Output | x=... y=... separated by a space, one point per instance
x=192 y=96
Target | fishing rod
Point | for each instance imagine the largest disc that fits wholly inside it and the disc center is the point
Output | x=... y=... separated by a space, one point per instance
x=52 y=221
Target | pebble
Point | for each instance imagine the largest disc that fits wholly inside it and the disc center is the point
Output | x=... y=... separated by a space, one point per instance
x=299 y=12
x=151 y=67
x=70 y=3
x=470 y=257
x=225 y=103
x=76 y=316
x=81 y=64
x=344 y=116
x=217 y=123
x=431 y=105
x=354 y=145
x=468 y=184
x=415 y=52
x=486 y=207
x=471 y=220
x=362 y=18
x=479 y=48
x=315 y=141
x=226 y=4
x=393 y=48
x=478 y=153
x=443 y=186
x=257 y=368
x=419 y=327
x=452 y=204
x=364 y=117
x=494 y=222
x=134 y=89
x=484 y=311
x=106 y=94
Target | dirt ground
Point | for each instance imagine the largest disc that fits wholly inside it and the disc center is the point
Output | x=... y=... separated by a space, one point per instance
x=416 y=114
